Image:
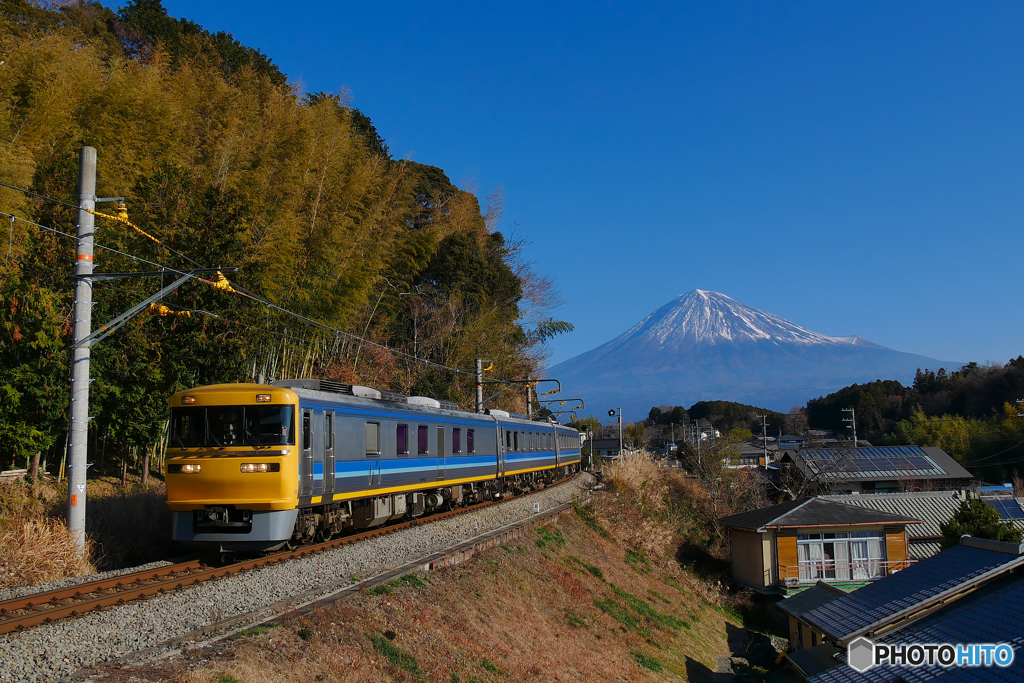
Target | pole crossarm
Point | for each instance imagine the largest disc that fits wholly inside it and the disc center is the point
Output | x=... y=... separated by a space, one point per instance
x=562 y=401
x=532 y=382
x=104 y=331
x=509 y=383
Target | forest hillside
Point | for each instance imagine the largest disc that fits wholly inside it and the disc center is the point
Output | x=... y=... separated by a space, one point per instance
x=225 y=163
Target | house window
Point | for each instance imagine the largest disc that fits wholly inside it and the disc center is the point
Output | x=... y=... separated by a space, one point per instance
x=456 y=440
x=840 y=556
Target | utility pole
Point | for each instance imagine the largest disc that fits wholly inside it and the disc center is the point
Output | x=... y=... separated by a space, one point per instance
x=479 y=385
x=764 y=437
x=697 y=434
x=78 y=433
x=853 y=423
x=612 y=413
x=529 y=398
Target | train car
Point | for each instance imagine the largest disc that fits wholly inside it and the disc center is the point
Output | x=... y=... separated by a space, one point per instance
x=255 y=467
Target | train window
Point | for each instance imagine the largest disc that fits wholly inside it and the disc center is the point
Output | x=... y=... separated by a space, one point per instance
x=423 y=440
x=456 y=440
x=515 y=441
x=508 y=439
x=470 y=441
x=328 y=431
x=373 y=438
x=307 y=436
x=402 y=440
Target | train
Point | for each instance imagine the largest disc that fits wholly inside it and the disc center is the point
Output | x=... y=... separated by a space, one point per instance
x=258 y=467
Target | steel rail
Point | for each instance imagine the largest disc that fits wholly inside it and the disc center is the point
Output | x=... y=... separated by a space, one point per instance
x=48 y=607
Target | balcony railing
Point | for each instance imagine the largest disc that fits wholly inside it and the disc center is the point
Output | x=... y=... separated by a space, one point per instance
x=813 y=571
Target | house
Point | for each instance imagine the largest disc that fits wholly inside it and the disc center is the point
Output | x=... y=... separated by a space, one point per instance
x=606 y=448
x=791 y=546
x=750 y=456
x=971 y=593
x=931 y=507
x=884 y=469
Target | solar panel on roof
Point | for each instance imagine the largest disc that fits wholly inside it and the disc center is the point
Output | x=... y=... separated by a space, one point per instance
x=1008 y=509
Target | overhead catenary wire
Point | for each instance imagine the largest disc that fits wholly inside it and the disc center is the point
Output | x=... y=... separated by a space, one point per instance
x=222 y=283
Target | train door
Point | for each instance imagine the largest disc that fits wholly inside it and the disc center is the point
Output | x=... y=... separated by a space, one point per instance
x=306 y=460
x=374 y=449
x=501 y=449
x=329 y=452
x=557 y=437
x=440 y=452
x=318 y=453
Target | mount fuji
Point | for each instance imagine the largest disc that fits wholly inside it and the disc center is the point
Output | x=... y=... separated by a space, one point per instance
x=704 y=346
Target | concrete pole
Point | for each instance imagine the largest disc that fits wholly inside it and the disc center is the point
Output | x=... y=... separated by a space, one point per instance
x=620 y=432
x=78 y=434
x=479 y=385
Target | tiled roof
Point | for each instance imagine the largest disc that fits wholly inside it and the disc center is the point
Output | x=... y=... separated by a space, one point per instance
x=931 y=507
x=756 y=519
x=909 y=590
x=812 y=598
x=820 y=512
x=989 y=615
x=811 y=512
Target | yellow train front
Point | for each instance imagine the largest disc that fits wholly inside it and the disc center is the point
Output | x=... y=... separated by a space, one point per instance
x=252 y=467
x=232 y=465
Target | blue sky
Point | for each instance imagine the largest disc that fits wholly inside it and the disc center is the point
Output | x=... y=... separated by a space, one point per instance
x=853 y=167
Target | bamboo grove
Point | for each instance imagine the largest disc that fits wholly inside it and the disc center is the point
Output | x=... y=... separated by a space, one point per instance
x=228 y=164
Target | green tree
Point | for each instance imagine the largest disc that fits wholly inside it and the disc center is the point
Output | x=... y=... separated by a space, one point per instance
x=979 y=519
x=633 y=435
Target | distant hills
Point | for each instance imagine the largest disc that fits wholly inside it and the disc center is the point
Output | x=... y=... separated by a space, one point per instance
x=705 y=346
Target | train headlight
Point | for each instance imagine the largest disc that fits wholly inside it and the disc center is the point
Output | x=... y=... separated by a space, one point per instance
x=185 y=400
x=263 y=398
x=256 y=467
x=190 y=469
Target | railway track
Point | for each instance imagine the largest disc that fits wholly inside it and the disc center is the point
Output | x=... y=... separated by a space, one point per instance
x=48 y=607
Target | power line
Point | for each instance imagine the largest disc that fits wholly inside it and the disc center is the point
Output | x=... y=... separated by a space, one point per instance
x=102 y=215
x=243 y=292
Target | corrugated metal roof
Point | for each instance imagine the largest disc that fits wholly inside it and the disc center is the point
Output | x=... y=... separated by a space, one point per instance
x=922 y=550
x=931 y=507
x=911 y=588
x=989 y=615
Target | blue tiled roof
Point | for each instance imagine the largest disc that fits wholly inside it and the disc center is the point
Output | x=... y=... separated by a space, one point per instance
x=874 y=604
x=990 y=615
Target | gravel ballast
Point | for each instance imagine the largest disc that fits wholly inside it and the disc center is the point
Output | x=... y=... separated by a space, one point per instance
x=55 y=651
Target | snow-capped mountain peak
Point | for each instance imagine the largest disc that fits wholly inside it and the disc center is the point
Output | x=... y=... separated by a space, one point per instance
x=701 y=317
x=706 y=346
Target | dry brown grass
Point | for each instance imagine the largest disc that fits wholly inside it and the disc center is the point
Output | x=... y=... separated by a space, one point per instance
x=35 y=550
x=593 y=597
x=124 y=527
x=518 y=613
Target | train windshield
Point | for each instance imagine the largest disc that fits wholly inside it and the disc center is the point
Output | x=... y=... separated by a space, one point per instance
x=221 y=426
